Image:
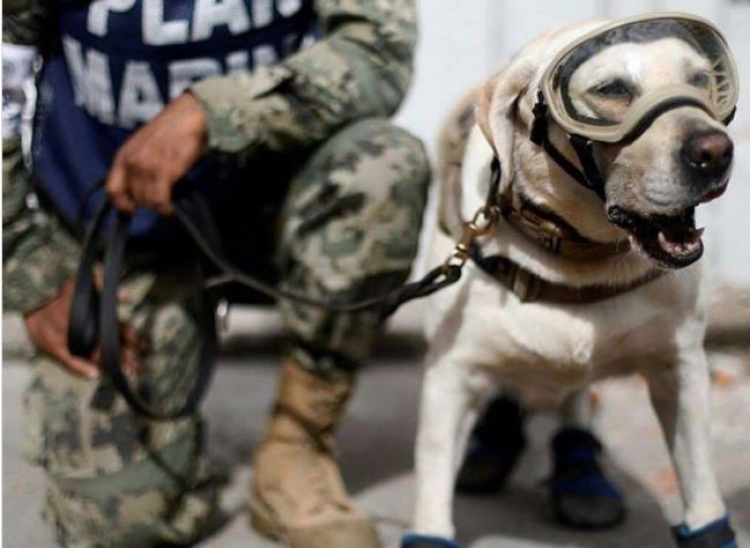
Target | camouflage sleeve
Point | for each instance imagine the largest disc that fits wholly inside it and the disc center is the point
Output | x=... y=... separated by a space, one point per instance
x=38 y=255
x=24 y=21
x=360 y=68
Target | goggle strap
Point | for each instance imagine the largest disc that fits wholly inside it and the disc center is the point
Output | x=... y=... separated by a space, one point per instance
x=585 y=153
x=540 y=137
x=539 y=126
x=493 y=193
x=567 y=166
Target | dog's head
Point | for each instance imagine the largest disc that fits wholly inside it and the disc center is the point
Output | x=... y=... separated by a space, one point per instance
x=658 y=163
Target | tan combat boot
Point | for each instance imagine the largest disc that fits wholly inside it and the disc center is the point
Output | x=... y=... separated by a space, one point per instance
x=298 y=494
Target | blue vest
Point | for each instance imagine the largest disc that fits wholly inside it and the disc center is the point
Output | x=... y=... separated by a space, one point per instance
x=119 y=62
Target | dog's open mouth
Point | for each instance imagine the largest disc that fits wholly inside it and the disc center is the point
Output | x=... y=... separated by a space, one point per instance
x=673 y=241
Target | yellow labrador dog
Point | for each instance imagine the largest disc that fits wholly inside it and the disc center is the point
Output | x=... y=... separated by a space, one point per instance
x=583 y=163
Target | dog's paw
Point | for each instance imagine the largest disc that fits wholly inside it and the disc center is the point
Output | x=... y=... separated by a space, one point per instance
x=717 y=534
x=426 y=541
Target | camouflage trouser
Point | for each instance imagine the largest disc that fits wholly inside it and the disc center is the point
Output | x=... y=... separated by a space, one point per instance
x=349 y=229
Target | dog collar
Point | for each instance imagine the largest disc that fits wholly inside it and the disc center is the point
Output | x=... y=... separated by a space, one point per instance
x=540 y=225
x=529 y=287
x=552 y=232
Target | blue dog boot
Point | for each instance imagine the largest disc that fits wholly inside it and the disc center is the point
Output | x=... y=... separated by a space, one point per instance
x=426 y=541
x=496 y=443
x=581 y=496
x=718 y=534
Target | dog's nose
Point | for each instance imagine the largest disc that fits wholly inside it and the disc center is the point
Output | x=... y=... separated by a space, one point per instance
x=708 y=153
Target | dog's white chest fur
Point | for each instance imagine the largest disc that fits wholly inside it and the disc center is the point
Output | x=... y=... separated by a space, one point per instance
x=559 y=347
x=554 y=347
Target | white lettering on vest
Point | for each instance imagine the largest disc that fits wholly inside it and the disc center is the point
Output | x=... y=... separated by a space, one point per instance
x=237 y=62
x=287 y=8
x=98 y=15
x=156 y=31
x=210 y=14
x=140 y=99
x=91 y=80
x=262 y=13
x=264 y=56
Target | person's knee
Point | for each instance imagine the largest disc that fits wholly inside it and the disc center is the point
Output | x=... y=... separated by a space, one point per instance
x=358 y=203
x=392 y=175
x=382 y=154
x=351 y=232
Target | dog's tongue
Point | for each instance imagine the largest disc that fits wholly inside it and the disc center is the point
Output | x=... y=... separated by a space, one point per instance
x=680 y=239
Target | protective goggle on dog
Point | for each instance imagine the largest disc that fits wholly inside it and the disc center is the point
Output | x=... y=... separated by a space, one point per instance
x=595 y=91
x=591 y=91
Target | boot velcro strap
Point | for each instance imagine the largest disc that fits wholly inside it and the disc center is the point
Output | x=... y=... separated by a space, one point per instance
x=314 y=434
x=426 y=541
x=718 y=534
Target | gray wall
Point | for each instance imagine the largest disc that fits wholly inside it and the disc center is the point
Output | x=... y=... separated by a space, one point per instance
x=464 y=41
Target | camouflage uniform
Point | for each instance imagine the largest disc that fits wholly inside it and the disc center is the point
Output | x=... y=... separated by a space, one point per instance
x=348 y=229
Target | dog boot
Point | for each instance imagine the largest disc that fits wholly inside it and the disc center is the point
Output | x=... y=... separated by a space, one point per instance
x=718 y=534
x=298 y=495
x=426 y=541
x=581 y=495
x=494 y=448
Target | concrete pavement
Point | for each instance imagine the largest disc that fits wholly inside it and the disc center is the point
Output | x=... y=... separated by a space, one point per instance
x=376 y=442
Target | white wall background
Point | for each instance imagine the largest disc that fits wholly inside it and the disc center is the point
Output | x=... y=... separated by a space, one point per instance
x=465 y=41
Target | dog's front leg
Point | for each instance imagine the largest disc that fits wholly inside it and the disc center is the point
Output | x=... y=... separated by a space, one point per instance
x=681 y=398
x=448 y=407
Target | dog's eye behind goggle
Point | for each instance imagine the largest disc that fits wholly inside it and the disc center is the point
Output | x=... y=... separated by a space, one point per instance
x=587 y=95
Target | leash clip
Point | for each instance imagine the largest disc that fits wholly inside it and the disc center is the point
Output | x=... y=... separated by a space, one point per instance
x=482 y=224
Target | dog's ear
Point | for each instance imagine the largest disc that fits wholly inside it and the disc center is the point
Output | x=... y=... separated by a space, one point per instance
x=496 y=109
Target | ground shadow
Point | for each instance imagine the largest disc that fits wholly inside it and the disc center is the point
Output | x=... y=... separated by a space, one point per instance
x=739 y=507
x=389 y=346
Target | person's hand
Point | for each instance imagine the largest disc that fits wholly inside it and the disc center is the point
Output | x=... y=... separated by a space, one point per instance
x=48 y=330
x=156 y=156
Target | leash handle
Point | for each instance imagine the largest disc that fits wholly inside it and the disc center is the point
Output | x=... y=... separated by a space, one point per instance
x=83 y=326
x=93 y=319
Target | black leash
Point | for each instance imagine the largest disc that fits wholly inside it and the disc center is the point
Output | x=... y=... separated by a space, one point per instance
x=93 y=316
x=388 y=304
